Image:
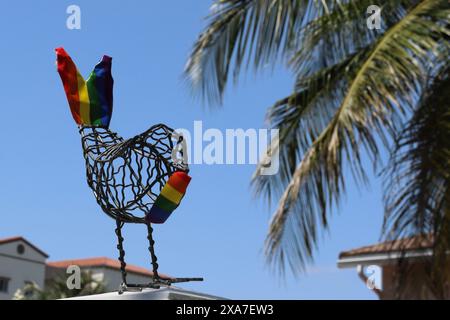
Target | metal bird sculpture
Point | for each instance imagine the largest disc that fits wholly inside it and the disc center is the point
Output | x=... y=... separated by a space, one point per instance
x=138 y=180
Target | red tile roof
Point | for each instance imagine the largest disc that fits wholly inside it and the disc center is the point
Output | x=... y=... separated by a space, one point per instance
x=413 y=243
x=102 y=262
x=19 y=238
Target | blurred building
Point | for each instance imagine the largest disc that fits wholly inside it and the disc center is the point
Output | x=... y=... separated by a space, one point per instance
x=102 y=269
x=383 y=265
x=21 y=262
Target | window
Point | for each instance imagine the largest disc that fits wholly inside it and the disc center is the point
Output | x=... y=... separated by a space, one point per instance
x=4 y=284
x=20 y=249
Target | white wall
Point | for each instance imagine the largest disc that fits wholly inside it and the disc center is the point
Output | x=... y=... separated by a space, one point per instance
x=29 y=266
x=113 y=278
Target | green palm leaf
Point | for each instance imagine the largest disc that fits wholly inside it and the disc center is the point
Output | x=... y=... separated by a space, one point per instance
x=377 y=96
x=241 y=31
x=417 y=179
x=354 y=90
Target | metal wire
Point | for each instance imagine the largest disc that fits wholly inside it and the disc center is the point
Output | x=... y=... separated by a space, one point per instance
x=127 y=176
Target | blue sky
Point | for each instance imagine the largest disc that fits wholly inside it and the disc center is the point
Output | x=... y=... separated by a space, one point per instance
x=219 y=230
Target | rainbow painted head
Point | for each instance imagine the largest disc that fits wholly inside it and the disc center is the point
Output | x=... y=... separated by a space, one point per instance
x=91 y=100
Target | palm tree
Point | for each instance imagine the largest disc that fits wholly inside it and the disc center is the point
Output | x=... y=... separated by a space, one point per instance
x=357 y=91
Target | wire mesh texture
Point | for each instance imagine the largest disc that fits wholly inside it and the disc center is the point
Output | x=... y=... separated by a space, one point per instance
x=127 y=176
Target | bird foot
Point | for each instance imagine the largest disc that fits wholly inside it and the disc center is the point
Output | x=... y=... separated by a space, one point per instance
x=129 y=287
x=156 y=283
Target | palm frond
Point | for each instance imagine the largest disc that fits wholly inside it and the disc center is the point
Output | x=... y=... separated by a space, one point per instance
x=376 y=98
x=301 y=117
x=417 y=180
x=345 y=30
x=240 y=31
x=418 y=177
x=354 y=89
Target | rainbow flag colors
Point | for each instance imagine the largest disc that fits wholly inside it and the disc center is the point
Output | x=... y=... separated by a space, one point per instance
x=91 y=100
x=169 y=198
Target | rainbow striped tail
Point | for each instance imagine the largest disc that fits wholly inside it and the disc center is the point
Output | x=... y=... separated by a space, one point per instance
x=91 y=100
x=169 y=198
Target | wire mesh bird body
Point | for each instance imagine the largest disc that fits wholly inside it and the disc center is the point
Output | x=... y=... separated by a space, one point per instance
x=137 y=180
x=127 y=176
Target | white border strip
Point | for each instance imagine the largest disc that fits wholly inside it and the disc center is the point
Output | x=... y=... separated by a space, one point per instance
x=380 y=258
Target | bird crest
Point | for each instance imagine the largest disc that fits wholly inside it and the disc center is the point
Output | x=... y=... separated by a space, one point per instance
x=91 y=100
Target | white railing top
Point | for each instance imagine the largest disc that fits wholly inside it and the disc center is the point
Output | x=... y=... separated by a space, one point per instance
x=164 y=293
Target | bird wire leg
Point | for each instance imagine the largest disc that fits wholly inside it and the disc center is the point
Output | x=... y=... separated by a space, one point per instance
x=157 y=281
x=123 y=265
x=124 y=286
